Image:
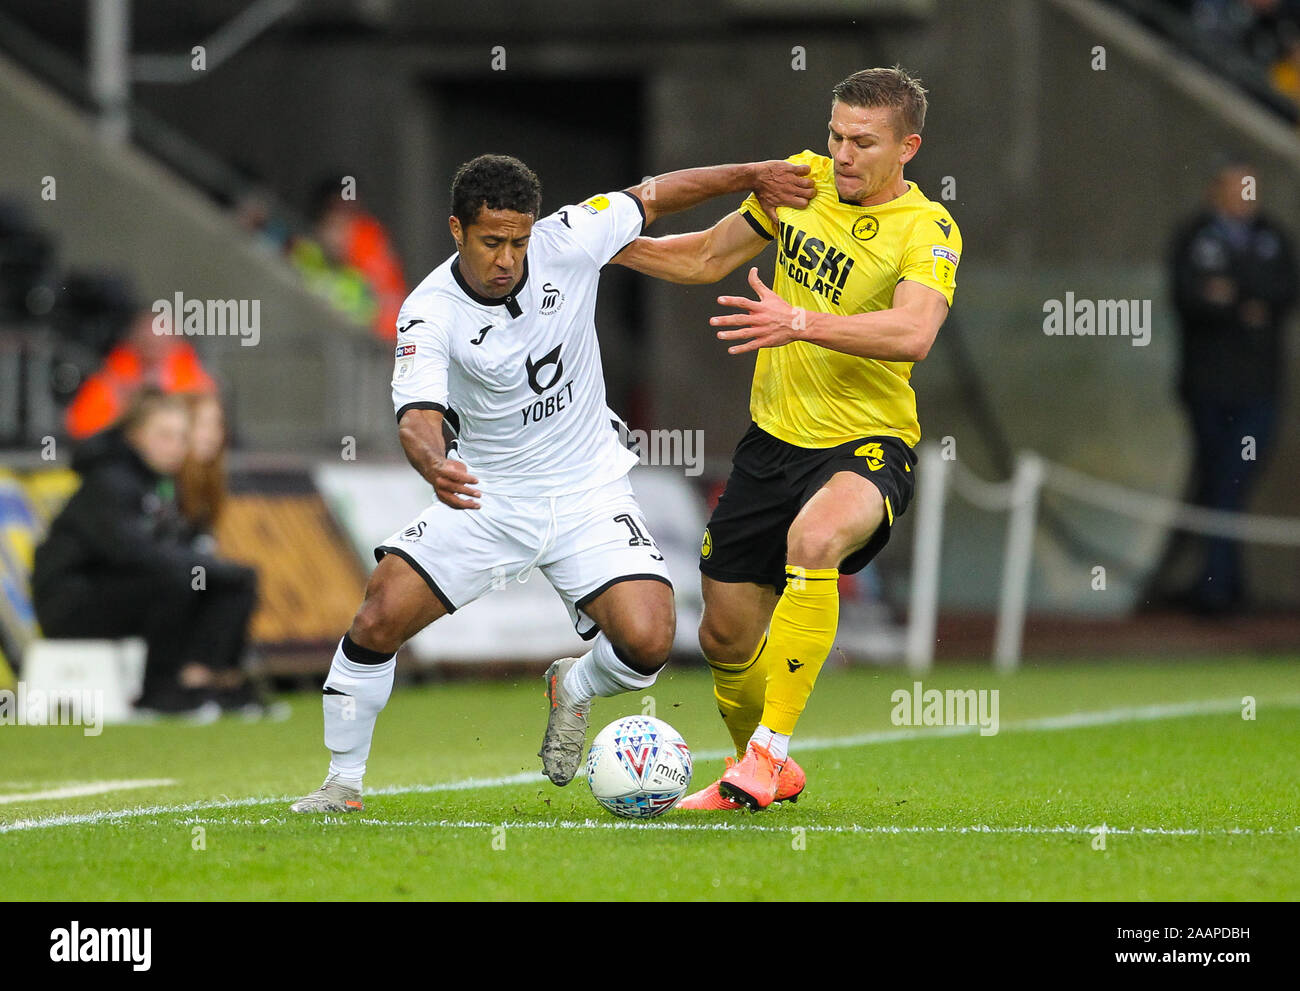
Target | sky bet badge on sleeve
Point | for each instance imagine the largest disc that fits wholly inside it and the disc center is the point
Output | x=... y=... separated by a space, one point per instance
x=945 y=264
x=405 y=361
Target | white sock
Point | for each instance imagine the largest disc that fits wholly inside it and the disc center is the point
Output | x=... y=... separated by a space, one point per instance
x=350 y=716
x=599 y=672
x=776 y=744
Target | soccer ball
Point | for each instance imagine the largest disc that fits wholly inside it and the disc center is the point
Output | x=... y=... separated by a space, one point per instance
x=638 y=767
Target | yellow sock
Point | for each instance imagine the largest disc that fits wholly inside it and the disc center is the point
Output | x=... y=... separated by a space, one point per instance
x=739 y=689
x=798 y=641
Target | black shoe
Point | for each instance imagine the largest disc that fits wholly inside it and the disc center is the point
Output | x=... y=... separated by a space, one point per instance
x=193 y=703
x=249 y=703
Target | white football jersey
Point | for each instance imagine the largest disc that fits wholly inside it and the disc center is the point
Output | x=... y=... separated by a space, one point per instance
x=522 y=373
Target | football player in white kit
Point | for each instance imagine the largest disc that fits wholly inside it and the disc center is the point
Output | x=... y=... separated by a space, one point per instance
x=500 y=402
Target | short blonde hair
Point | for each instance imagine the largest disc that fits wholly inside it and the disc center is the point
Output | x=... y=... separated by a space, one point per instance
x=886 y=88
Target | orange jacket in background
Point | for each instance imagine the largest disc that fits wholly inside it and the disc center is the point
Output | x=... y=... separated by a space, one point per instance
x=371 y=252
x=102 y=398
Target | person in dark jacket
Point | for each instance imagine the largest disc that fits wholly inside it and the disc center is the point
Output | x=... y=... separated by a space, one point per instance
x=117 y=562
x=1234 y=284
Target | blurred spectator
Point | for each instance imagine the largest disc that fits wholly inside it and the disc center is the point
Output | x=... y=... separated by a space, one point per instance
x=27 y=263
x=350 y=260
x=201 y=484
x=342 y=286
x=1238 y=34
x=145 y=357
x=117 y=561
x=1234 y=282
x=1269 y=25
x=1285 y=73
x=252 y=206
x=1257 y=29
x=201 y=495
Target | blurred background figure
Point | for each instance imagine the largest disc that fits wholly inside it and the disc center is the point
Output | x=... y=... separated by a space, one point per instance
x=350 y=259
x=1257 y=29
x=1234 y=284
x=119 y=560
x=1284 y=74
x=252 y=206
x=1268 y=25
x=201 y=491
x=201 y=484
x=145 y=357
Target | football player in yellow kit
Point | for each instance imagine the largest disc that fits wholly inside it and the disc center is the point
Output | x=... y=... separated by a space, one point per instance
x=864 y=279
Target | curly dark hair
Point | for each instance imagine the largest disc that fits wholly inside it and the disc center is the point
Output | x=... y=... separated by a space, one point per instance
x=497 y=182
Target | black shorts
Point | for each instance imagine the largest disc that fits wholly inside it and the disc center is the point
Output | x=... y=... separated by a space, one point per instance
x=771 y=480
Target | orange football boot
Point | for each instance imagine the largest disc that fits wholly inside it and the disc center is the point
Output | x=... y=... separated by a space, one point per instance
x=789 y=786
x=753 y=780
x=791 y=782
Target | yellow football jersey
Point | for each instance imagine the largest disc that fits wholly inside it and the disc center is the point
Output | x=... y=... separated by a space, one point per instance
x=837 y=257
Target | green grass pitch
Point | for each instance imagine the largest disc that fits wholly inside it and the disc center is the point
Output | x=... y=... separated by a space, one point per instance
x=1197 y=802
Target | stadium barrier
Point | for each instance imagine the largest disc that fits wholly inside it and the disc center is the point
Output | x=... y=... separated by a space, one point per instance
x=1019 y=497
x=107 y=674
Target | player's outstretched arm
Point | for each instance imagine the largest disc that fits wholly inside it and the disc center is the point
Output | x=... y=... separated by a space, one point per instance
x=904 y=332
x=697 y=258
x=776 y=183
x=424 y=443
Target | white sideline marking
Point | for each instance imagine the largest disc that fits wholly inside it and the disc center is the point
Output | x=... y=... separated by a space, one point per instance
x=1078 y=720
x=115 y=816
x=731 y=827
x=1071 y=720
x=89 y=788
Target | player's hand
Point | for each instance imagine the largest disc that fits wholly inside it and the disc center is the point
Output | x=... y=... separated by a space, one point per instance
x=451 y=481
x=767 y=322
x=781 y=183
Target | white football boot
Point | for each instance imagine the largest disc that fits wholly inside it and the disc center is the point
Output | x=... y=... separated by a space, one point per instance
x=566 y=727
x=332 y=796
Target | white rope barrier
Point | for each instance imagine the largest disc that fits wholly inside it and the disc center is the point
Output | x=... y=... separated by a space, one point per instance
x=1020 y=497
x=1146 y=507
x=1169 y=512
x=992 y=497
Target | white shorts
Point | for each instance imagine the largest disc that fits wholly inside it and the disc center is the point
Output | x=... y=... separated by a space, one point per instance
x=583 y=543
